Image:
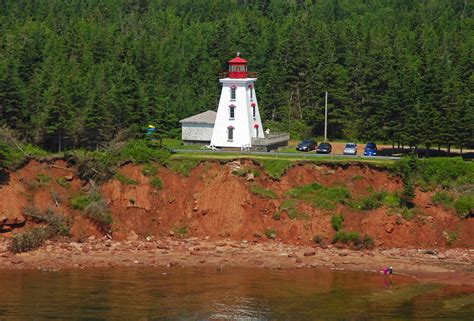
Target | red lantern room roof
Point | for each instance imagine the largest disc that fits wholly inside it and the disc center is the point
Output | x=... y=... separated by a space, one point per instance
x=238 y=60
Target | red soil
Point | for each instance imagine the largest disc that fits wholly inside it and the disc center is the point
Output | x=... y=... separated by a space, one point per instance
x=212 y=202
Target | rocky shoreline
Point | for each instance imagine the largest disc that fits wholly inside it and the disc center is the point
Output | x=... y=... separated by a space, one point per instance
x=454 y=266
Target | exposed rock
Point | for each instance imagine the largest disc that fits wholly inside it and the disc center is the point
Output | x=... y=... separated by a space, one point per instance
x=250 y=177
x=299 y=260
x=389 y=228
x=171 y=233
x=343 y=253
x=309 y=253
x=132 y=236
x=69 y=177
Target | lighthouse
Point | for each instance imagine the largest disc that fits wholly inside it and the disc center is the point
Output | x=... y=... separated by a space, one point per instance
x=238 y=119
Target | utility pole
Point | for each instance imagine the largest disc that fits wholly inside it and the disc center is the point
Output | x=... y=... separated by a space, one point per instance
x=326 y=117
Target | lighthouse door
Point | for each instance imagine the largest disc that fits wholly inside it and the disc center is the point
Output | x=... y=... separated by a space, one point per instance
x=256 y=132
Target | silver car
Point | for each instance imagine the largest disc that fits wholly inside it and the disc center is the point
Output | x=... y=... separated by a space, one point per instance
x=350 y=149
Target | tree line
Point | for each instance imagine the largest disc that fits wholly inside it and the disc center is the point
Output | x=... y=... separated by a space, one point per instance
x=75 y=73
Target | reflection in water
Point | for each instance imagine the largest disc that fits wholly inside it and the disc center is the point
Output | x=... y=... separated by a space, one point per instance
x=234 y=294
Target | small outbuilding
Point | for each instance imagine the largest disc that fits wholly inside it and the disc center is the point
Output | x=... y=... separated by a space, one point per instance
x=198 y=129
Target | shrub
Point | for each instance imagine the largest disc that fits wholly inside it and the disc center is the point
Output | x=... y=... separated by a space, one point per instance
x=263 y=192
x=156 y=182
x=56 y=225
x=125 y=180
x=357 y=177
x=464 y=206
x=407 y=213
x=275 y=168
x=271 y=233
x=336 y=221
x=408 y=193
x=98 y=211
x=443 y=198
x=30 y=240
x=142 y=151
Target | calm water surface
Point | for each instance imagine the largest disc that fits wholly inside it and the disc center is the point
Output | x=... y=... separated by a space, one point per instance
x=232 y=294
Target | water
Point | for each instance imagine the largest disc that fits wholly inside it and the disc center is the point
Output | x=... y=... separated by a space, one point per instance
x=232 y=294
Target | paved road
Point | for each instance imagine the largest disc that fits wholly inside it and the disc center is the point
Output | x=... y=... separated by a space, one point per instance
x=276 y=154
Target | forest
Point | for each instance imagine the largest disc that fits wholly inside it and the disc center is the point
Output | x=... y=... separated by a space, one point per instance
x=73 y=74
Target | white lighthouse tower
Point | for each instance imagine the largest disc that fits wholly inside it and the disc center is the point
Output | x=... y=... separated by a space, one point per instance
x=238 y=118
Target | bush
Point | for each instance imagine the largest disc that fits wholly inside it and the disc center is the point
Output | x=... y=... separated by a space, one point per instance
x=156 y=182
x=43 y=179
x=30 y=240
x=336 y=221
x=346 y=237
x=271 y=233
x=451 y=237
x=99 y=212
x=464 y=206
x=142 y=151
x=263 y=192
x=58 y=223
x=277 y=216
x=125 y=180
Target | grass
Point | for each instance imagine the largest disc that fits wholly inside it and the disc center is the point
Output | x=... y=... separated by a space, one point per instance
x=319 y=196
x=149 y=170
x=375 y=200
x=263 y=192
x=452 y=236
x=80 y=202
x=275 y=168
x=443 y=198
x=271 y=233
x=336 y=222
x=183 y=166
x=125 y=180
x=63 y=182
x=156 y=182
x=290 y=206
x=181 y=230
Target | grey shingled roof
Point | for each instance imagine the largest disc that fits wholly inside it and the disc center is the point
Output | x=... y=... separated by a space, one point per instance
x=207 y=117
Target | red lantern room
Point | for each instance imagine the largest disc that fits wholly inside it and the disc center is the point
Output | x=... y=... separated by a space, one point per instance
x=238 y=67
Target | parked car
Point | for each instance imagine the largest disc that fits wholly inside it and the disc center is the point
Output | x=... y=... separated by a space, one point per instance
x=324 y=148
x=306 y=145
x=370 y=149
x=350 y=149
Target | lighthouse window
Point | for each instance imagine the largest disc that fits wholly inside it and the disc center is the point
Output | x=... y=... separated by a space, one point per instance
x=232 y=93
x=231 y=111
x=230 y=133
x=253 y=112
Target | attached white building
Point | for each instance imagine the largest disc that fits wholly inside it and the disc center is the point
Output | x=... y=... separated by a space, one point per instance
x=237 y=123
x=198 y=129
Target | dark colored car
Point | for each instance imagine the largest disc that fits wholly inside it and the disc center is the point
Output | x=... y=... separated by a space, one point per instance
x=370 y=149
x=324 y=148
x=306 y=145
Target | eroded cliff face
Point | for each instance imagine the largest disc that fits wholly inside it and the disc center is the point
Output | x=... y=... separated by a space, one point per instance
x=216 y=203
